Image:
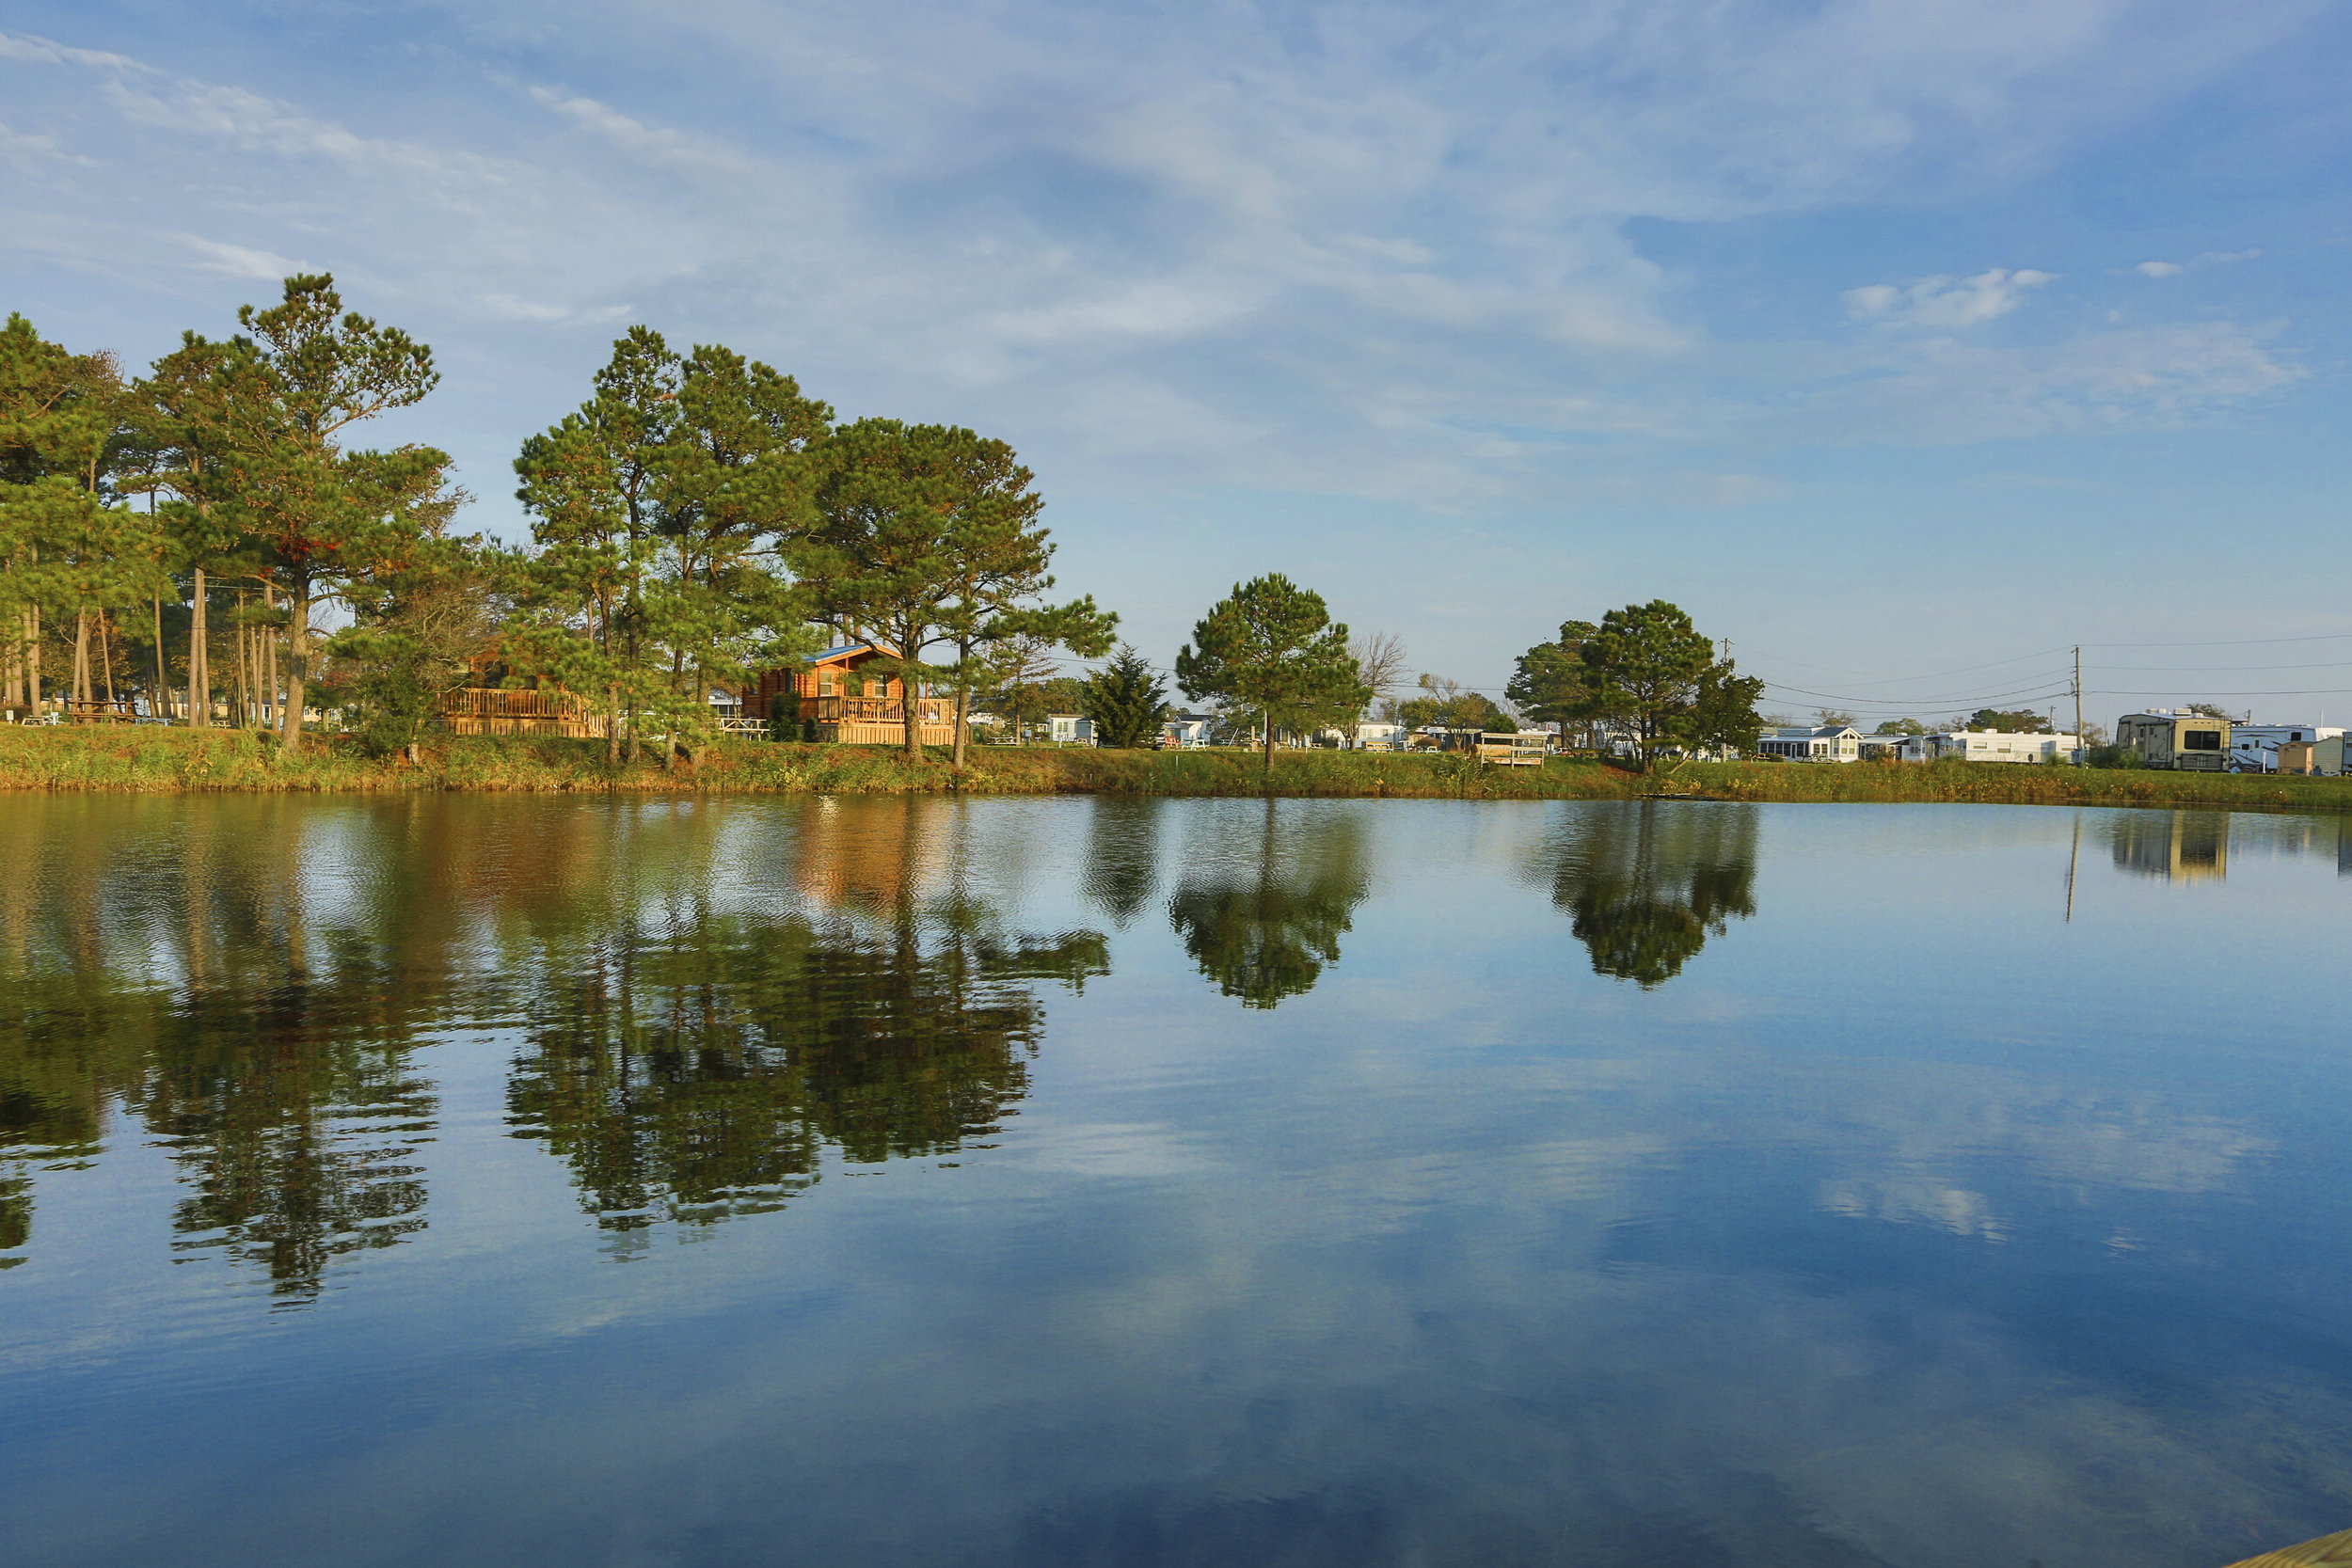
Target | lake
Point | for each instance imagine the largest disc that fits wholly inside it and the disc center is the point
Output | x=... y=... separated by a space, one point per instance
x=468 y=1180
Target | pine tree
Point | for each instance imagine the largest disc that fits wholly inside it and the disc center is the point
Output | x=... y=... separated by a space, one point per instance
x=1272 y=646
x=1124 y=700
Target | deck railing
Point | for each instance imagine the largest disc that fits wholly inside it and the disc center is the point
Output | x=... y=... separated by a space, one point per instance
x=878 y=710
x=493 y=710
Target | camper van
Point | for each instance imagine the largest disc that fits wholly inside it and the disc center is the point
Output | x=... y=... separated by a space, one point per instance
x=2188 y=742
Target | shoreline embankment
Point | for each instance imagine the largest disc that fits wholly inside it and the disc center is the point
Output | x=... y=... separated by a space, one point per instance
x=153 y=760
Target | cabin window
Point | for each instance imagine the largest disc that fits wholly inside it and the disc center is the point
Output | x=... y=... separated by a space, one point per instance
x=2202 y=740
x=873 y=688
x=824 y=685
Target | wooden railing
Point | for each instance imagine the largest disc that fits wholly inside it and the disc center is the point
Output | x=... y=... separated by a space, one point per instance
x=491 y=710
x=878 y=710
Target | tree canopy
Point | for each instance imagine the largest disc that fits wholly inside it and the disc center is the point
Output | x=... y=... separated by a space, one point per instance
x=1271 y=646
x=1549 y=684
x=1652 y=677
x=1125 y=701
x=2018 y=723
x=928 y=534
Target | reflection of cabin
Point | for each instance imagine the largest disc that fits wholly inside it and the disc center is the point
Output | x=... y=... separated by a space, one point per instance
x=849 y=701
x=485 y=705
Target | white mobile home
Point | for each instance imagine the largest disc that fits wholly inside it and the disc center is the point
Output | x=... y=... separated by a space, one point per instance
x=1990 y=746
x=2254 y=748
x=1827 y=743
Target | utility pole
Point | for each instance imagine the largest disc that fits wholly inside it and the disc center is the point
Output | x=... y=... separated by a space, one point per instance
x=2082 y=752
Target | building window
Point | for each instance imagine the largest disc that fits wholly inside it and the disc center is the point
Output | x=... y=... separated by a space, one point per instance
x=2200 y=740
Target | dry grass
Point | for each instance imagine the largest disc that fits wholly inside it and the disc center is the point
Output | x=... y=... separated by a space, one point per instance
x=161 y=761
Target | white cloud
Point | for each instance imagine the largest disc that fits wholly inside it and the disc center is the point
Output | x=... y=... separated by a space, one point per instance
x=28 y=50
x=1944 y=304
x=2198 y=264
x=1944 y=390
x=652 y=143
x=237 y=260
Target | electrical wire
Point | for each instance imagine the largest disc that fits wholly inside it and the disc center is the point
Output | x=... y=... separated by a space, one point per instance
x=1932 y=675
x=2314 y=692
x=2231 y=642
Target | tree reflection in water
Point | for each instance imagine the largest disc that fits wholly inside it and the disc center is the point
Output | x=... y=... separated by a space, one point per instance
x=247 y=981
x=1264 y=930
x=694 y=1073
x=1122 y=868
x=264 y=1047
x=1647 y=883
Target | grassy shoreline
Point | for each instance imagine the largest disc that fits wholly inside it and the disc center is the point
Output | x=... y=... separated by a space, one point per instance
x=161 y=761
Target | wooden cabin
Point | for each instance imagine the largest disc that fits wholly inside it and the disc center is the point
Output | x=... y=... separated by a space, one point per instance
x=849 y=701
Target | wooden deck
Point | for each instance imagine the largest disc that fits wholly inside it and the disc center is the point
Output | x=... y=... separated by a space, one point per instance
x=1513 y=751
x=2329 y=1551
x=891 y=732
x=478 y=710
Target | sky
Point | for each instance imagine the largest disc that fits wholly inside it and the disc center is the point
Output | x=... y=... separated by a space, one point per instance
x=1905 y=343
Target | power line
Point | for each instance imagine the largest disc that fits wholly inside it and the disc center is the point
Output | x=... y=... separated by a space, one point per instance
x=2219 y=669
x=1932 y=675
x=2316 y=691
x=2034 y=689
x=2233 y=642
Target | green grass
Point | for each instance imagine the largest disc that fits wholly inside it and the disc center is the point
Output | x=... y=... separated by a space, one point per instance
x=161 y=761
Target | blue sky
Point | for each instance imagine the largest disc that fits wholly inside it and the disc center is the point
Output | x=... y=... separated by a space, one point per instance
x=1888 y=339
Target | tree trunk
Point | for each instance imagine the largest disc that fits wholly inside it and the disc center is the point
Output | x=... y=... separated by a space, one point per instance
x=612 y=729
x=107 y=630
x=907 y=687
x=81 y=660
x=245 y=661
x=1270 y=743
x=297 y=665
x=32 y=656
x=271 y=694
x=963 y=709
x=159 y=702
x=199 y=659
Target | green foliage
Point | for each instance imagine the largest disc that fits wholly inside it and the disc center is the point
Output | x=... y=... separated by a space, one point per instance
x=70 y=548
x=1651 y=676
x=1550 y=683
x=318 y=518
x=1273 y=647
x=2019 y=722
x=1901 y=726
x=665 y=510
x=928 y=534
x=1456 y=708
x=1125 y=701
x=417 y=631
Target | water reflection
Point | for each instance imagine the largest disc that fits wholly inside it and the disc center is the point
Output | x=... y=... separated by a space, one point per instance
x=1123 y=855
x=693 y=1072
x=1264 y=926
x=246 y=984
x=257 y=1032
x=1647 y=883
x=2177 y=845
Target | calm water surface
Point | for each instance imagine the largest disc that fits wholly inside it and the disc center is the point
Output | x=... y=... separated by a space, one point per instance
x=469 y=1180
